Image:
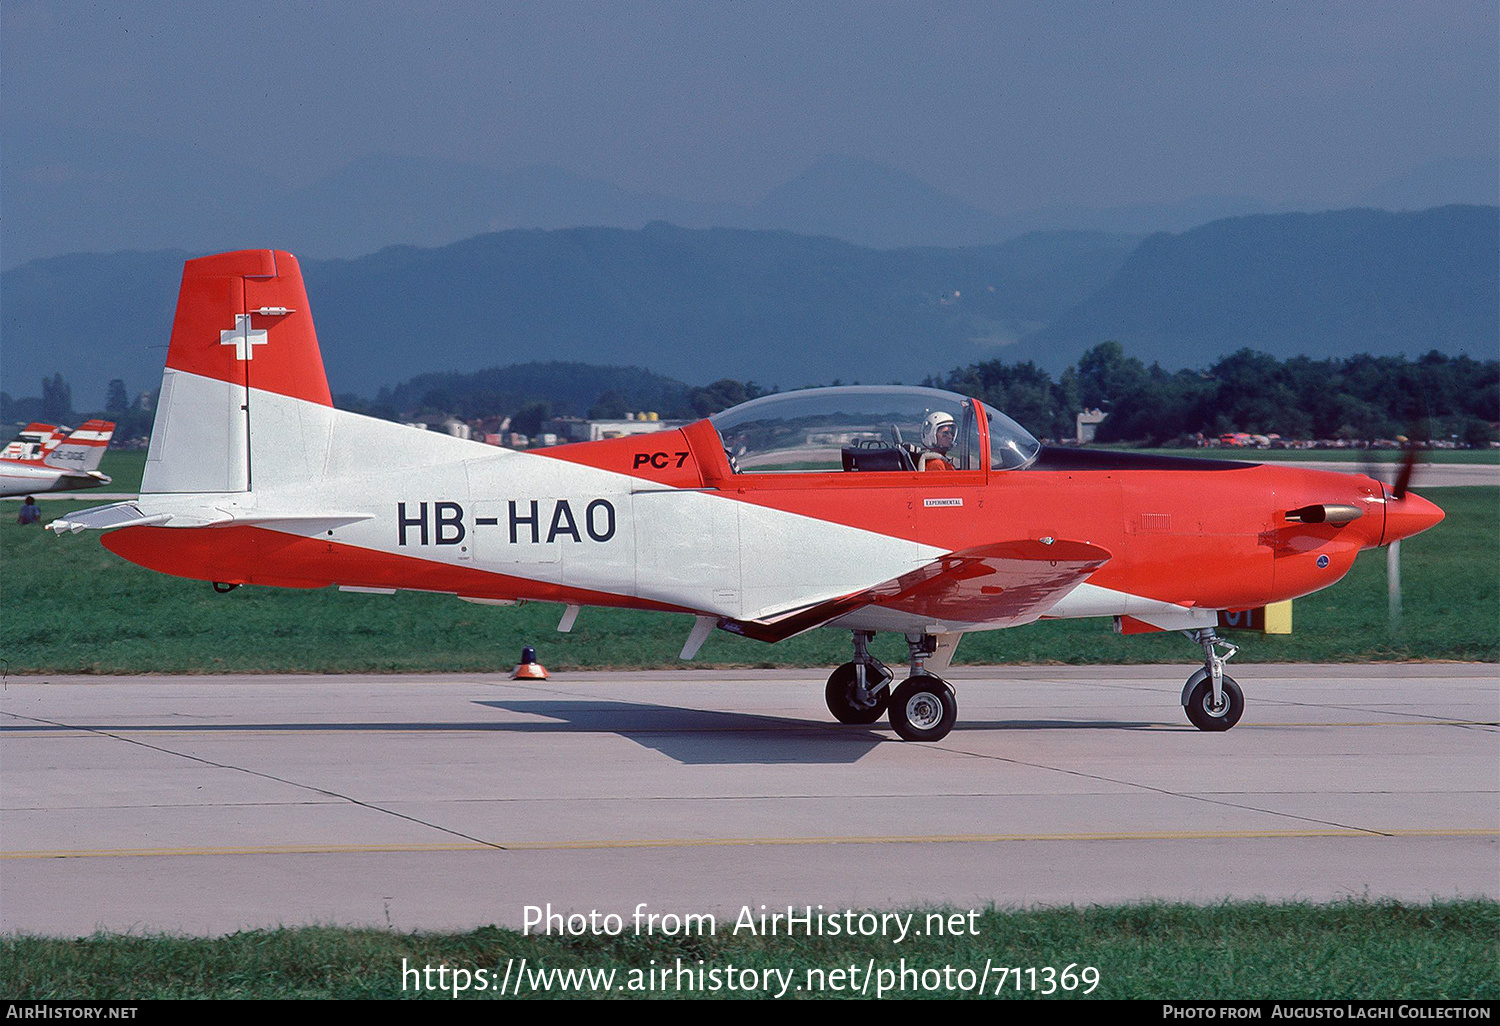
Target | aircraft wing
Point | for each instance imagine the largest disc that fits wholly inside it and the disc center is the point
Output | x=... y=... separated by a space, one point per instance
x=1001 y=584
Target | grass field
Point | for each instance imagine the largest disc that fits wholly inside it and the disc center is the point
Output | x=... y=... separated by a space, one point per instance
x=1356 y=949
x=70 y=606
x=124 y=470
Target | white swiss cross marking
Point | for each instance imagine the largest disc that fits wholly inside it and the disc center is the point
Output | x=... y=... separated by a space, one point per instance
x=243 y=337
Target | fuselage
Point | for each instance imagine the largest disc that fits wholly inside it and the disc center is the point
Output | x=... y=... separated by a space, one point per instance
x=29 y=478
x=665 y=521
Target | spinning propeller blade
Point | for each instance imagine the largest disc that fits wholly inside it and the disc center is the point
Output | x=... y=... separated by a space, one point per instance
x=1403 y=476
x=1396 y=493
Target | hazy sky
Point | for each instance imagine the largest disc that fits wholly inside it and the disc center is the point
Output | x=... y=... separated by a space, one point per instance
x=1006 y=105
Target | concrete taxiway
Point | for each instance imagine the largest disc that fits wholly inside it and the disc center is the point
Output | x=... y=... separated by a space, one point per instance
x=203 y=805
x=1429 y=475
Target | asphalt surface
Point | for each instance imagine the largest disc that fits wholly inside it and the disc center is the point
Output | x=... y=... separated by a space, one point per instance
x=203 y=805
x=1428 y=475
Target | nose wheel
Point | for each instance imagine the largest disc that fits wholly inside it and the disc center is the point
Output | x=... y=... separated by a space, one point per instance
x=1207 y=714
x=1211 y=698
x=923 y=708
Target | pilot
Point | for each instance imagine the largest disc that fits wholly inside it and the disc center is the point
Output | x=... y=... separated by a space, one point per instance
x=937 y=439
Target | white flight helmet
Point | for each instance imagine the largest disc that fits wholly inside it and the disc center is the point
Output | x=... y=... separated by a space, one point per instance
x=935 y=420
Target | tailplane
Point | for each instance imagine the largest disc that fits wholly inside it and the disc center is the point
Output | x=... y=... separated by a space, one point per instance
x=242 y=345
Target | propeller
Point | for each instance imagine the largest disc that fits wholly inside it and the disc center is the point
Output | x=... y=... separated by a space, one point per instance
x=1396 y=491
x=1393 y=553
x=1393 y=584
x=1403 y=477
x=1398 y=485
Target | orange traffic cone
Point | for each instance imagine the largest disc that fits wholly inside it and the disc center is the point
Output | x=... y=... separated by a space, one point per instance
x=529 y=668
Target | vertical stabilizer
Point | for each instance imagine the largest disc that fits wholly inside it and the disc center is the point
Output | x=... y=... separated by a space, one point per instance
x=242 y=328
x=83 y=449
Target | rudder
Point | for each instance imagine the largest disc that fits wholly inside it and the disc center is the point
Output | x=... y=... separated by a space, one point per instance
x=242 y=326
x=83 y=449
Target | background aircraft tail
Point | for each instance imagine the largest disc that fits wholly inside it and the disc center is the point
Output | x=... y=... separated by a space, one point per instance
x=242 y=346
x=83 y=449
x=35 y=441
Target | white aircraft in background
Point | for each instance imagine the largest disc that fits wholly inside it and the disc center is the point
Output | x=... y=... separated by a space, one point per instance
x=44 y=460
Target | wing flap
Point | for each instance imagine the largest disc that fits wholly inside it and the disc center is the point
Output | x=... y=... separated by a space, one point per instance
x=1000 y=584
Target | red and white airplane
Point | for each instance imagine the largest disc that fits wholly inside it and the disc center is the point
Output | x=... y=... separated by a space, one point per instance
x=793 y=511
x=34 y=441
x=50 y=459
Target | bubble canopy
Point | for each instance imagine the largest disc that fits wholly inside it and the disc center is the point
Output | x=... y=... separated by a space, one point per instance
x=869 y=427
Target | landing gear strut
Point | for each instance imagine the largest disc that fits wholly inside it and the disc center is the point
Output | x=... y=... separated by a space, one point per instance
x=859 y=691
x=923 y=708
x=1211 y=698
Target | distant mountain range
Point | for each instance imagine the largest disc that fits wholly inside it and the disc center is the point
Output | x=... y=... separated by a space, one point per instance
x=566 y=389
x=698 y=305
x=103 y=192
x=788 y=310
x=1329 y=284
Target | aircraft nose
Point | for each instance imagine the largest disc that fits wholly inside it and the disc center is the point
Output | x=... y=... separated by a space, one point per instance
x=1408 y=515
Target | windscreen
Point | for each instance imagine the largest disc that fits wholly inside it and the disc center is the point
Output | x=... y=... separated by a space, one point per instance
x=1011 y=445
x=852 y=428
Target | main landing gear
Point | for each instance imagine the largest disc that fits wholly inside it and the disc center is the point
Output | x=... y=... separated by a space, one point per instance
x=859 y=691
x=1212 y=699
x=922 y=708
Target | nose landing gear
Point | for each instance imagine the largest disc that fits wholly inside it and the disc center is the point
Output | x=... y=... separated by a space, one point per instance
x=1211 y=698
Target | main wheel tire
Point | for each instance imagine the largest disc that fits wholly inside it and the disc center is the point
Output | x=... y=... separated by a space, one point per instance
x=924 y=709
x=840 y=698
x=1205 y=715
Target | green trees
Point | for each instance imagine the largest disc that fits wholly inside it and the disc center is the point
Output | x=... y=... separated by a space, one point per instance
x=1362 y=397
x=117 y=400
x=57 y=400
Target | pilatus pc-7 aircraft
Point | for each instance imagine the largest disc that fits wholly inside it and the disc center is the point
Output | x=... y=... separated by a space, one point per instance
x=899 y=509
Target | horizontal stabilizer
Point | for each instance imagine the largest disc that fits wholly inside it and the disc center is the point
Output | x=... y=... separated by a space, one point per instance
x=317 y=521
x=130 y=514
x=107 y=518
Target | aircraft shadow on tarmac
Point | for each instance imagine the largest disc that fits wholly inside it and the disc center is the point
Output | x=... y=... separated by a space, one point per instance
x=687 y=736
x=700 y=737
